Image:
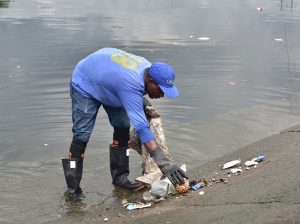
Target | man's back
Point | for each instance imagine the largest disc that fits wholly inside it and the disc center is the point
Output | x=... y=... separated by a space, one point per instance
x=109 y=72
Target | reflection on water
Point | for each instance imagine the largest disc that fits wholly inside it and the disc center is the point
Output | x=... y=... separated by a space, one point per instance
x=284 y=3
x=4 y=3
x=238 y=85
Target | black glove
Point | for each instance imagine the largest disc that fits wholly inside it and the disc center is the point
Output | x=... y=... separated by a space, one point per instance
x=171 y=170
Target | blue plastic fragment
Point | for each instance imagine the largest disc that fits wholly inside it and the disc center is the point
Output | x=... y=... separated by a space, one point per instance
x=260 y=158
x=197 y=186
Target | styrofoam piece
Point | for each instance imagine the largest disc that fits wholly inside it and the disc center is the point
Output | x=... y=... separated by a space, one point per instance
x=232 y=164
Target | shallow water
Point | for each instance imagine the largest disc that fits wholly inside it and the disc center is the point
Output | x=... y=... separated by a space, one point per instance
x=238 y=86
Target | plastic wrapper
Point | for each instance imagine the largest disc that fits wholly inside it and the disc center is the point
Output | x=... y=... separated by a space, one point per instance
x=159 y=188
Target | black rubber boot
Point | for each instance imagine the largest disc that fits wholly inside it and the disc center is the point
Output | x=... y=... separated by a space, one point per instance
x=119 y=168
x=73 y=174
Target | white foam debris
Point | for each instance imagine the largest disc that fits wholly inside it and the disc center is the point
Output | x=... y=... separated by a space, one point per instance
x=203 y=38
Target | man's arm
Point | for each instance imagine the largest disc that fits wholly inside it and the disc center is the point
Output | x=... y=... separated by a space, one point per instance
x=135 y=111
x=151 y=145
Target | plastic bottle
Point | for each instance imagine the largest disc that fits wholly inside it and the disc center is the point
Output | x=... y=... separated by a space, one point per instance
x=260 y=158
x=197 y=186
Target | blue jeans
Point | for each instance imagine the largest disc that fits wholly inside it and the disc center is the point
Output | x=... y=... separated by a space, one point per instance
x=84 y=113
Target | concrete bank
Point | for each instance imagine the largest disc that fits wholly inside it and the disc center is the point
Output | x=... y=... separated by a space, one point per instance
x=268 y=194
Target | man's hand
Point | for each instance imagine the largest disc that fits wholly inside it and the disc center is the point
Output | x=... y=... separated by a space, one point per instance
x=171 y=170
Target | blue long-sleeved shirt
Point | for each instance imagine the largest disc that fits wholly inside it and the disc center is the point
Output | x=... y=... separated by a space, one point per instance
x=115 y=78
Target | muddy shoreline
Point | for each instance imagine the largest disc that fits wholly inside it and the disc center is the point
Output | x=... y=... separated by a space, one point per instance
x=266 y=194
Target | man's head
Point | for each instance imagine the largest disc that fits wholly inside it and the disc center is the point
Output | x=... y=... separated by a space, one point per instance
x=160 y=80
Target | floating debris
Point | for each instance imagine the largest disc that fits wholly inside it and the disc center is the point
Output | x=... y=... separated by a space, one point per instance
x=175 y=43
x=278 y=39
x=105 y=219
x=259 y=9
x=201 y=193
x=203 y=38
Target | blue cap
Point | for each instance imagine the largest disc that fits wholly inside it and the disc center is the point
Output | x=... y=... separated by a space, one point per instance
x=164 y=75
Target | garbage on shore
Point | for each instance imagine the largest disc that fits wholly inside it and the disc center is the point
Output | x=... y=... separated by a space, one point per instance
x=236 y=171
x=251 y=163
x=160 y=189
x=231 y=164
x=197 y=186
x=259 y=158
x=201 y=193
x=138 y=205
x=183 y=188
x=148 y=197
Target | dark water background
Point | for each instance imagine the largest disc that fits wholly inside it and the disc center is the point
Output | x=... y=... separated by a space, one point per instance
x=239 y=86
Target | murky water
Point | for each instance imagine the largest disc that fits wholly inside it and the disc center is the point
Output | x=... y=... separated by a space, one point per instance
x=237 y=86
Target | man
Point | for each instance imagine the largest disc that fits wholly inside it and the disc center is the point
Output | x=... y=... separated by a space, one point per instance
x=118 y=81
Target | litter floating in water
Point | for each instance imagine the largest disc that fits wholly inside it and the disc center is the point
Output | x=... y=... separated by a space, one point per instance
x=278 y=39
x=105 y=219
x=236 y=171
x=45 y=144
x=138 y=205
x=231 y=164
x=203 y=38
x=175 y=43
x=259 y=9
